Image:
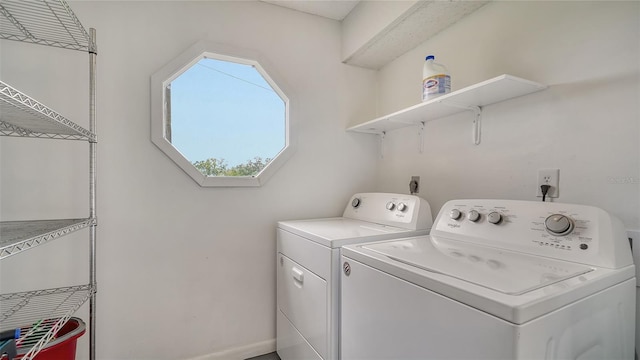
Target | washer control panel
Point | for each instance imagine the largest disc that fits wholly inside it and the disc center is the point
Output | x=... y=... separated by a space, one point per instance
x=571 y=232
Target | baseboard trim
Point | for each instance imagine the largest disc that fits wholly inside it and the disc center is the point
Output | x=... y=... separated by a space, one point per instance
x=241 y=352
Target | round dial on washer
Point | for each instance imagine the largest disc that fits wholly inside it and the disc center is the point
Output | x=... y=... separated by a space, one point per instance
x=494 y=217
x=402 y=207
x=473 y=216
x=355 y=202
x=558 y=224
x=391 y=206
x=455 y=214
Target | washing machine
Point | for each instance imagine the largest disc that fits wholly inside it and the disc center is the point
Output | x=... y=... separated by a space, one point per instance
x=495 y=279
x=308 y=267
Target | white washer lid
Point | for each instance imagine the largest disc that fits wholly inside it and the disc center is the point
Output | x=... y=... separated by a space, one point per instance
x=507 y=272
x=340 y=231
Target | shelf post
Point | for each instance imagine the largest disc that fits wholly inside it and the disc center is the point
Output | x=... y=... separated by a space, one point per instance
x=92 y=193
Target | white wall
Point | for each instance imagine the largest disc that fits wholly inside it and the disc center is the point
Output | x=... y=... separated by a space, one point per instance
x=586 y=123
x=183 y=271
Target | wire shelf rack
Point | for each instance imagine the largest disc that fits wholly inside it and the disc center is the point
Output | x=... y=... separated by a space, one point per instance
x=47 y=22
x=50 y=23
x=40 y=314
x=18 y=236
x=21 y=115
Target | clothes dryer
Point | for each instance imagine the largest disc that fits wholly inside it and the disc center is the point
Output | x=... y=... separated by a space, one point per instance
x=495 y=279
x=308 y=267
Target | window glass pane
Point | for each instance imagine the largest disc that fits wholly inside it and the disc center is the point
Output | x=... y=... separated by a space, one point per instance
x=225 y=118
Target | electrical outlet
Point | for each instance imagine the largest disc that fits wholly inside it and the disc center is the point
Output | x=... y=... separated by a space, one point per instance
x=414 y=185
x=549 y=177
x=634 y=241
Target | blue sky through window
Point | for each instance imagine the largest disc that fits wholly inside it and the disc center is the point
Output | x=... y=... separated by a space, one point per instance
x=225 y=110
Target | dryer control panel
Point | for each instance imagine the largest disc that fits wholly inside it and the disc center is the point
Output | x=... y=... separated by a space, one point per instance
x=571 y=232
x=400 y=210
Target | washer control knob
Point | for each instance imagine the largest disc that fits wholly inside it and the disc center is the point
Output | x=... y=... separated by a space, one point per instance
x=455 y=214
x=473 y=216
x=494 y=217
x=355 y=202
x=391 y=206
x=402 y=207
x=558 y=224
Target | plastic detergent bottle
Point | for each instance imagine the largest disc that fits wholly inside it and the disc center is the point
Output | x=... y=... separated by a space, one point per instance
x=436 y=80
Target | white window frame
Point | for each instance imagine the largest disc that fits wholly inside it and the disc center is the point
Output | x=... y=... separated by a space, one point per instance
x=163 y=78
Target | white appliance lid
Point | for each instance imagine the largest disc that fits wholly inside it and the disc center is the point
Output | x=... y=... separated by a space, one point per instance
x=504 y=271
x=340 y=231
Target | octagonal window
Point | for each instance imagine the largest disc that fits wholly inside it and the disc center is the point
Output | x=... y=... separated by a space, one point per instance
x=221 y=118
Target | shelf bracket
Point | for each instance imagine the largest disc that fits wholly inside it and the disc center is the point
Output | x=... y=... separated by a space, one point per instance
x=477 y=112
x=382 y=136
x=421 y=136
x=477 y=116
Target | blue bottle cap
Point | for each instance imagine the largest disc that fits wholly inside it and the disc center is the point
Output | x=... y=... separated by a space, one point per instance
x=430 y=57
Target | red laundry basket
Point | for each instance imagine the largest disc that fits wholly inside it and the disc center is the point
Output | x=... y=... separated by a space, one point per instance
x=63 y=345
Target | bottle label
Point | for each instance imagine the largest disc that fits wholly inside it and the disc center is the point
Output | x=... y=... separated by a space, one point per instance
x=435 y=85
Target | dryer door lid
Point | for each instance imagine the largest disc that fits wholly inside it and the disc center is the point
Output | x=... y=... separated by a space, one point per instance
x=504 y=271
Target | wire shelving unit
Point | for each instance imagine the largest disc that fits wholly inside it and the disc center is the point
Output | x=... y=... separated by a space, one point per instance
x=50 y=23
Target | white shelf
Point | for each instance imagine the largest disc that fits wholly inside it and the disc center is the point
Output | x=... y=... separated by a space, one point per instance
x=21 y=115
x=471 y=98
x=50 y=23
x=18 y=236
x=40 y=314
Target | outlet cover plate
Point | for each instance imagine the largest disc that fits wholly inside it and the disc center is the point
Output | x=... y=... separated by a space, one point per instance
x=549 y=177
x=414 y=185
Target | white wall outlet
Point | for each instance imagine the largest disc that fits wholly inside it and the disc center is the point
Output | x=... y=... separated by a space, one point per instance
x=548 y=177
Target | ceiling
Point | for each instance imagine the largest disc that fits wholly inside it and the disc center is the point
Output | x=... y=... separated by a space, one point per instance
x=418 y=24
x=332 y=9
x=421 y=21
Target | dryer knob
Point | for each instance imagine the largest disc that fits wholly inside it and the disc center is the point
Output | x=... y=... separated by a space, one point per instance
x=494 y=218
x=355 y=202
x=391 y=206
x=455 y=214
x=473 y=216
x=402 y=207
x=558 y=224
